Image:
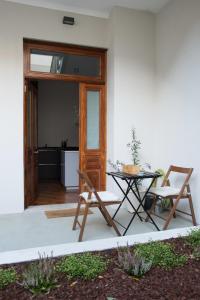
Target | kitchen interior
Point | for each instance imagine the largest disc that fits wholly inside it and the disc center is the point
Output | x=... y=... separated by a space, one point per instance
x=58 y=141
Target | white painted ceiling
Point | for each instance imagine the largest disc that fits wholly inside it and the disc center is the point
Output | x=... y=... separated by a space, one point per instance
x=100 y=8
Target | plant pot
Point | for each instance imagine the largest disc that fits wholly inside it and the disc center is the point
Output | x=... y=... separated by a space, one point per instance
x=131 y=169
x=148 y=202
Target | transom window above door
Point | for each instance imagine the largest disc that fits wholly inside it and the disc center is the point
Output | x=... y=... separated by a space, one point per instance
x=64 y=61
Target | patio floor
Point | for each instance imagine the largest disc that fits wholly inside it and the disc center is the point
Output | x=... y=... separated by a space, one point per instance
x=32 y=228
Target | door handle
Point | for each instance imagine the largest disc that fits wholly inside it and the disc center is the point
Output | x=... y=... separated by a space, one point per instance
x=36 y=152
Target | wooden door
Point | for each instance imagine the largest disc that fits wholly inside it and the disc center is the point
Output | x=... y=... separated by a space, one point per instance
x=93 y=133
x=34 y=139
x=31 y=147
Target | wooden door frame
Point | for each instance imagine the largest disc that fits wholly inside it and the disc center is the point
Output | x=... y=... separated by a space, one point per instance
x=30 y=75
x=65 y=49
x=25 y=138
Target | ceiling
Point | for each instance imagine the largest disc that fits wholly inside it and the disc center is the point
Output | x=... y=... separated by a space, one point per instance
x=99 y=8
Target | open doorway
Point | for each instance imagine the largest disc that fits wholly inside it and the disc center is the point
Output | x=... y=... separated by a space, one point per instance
x=54 y=106
x=64 y=120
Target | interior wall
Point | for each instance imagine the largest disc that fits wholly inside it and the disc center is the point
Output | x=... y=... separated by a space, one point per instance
x=178 y=93
x=58 y=109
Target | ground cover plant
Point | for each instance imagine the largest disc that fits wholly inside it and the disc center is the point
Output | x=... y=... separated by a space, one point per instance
x=86 y=266
x=7 y=277
x=174 y=274
x=161 y=254
x=193 y=239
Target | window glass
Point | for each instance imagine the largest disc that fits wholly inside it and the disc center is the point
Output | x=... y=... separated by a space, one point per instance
x=93 y=119
x=63 y=63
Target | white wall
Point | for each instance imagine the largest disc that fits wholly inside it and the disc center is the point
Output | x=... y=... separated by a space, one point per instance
x=131 y=78
x=16 y=22
x=178 y=93
x=126 y=78
x=58 y=108
x=131 y=85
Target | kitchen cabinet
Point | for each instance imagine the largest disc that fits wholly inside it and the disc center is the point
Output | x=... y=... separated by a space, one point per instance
x=49 y=163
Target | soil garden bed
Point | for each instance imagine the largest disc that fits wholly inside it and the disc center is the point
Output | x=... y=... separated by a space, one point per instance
x=163 y=281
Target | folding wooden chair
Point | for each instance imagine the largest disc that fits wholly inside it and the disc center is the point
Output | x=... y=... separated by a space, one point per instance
x=92 y=198
x=174 y=194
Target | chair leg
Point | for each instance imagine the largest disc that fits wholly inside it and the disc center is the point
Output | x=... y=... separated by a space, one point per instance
x=170 y=216
x=77 y=214
x=109 y=219
x=105 y=217
x=172 y=204
x=83 y=222
x=192 y=210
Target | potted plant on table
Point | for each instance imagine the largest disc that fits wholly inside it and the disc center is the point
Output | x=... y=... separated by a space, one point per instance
x=134 y=168
x=134 y=146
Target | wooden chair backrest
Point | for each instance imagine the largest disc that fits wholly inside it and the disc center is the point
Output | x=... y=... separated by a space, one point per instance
x=175 y=169
x=89 y=186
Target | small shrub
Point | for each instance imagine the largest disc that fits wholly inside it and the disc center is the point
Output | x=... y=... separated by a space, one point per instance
x=161 y=254
x=86 y=266
x=196 y=252
x=39 y=277
x=7 y=276
x=132 y=263
x=193 y=239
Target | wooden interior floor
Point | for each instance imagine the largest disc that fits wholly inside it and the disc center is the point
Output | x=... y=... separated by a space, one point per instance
x=52 y=192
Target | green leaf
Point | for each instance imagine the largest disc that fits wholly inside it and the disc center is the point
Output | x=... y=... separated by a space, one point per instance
x=86 y=266
x=7 y=276
x=161 y=254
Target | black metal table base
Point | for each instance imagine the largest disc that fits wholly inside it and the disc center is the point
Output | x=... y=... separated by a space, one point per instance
x=141 y=219
x=132 y=186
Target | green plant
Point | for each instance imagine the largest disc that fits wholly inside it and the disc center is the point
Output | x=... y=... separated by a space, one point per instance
x=196 y=252
x=193 y=239
x=162 y=174
x=164 y=204
x=132 y=263
x=134 y=146
x=161 y=254
x=39 y=276
x=86 y=266
x=7 y=276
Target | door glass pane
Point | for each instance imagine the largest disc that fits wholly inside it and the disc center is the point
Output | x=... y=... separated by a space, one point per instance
x=64 y=63
x=93 y=119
